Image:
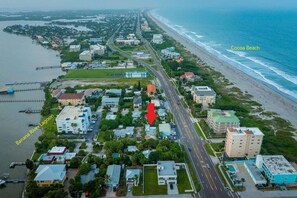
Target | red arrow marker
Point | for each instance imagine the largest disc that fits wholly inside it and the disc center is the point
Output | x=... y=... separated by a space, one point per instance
x=151 y=116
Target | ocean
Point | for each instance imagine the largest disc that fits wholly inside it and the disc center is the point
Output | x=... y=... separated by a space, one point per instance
x=261 y=43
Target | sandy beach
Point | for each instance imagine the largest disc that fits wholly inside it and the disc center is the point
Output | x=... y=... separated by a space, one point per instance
x=270 y=99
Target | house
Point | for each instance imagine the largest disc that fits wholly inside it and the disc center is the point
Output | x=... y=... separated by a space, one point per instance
x=86 y=55
x=74 y=120
x=243 y=142
x=190 y=76
x=56 y=93
x=150 y=132
x=58 y=154
x=169 y=53
x=136 y=74
x=50 y=174
x=57 y=150
x=158 y=38
x=162 y=113
x=90 y=176
x=156 y=102
x=110 y=116
x=72 y=99
x=93 y=93
x=219 y=120
x=132 y=176
x=166 y=172
x=136 y=114
x=110 y=102
x=121 y=133
x=203 y=95
x=137 y=101
x=165 y=130
x=117 y=92
x=98 y=49
x=113 y=172
x=132 y=149
x=277 y=169
x=151 y=89
x=74 y=48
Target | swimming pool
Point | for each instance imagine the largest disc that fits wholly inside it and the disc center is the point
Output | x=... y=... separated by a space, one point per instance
x=231 y=168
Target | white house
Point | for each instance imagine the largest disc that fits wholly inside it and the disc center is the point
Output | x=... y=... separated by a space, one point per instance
x=166 y=171
x=86 y=55
x=158 y=38
x=74 y=120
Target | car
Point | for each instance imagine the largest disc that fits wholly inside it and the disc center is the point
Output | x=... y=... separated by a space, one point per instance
x=189 y=149
x=207 y=165
x=129 y=189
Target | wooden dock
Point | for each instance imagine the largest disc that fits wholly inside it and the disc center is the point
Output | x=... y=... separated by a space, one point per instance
x=2 y=101
x=29 y=111
x=48 y=67
x=29 y=89
x=14 y=164
x=27 y=83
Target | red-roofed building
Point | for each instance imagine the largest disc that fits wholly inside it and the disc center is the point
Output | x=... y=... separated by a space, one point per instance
x=72 y=99
x=56 y=93
x=151 y=89
x=188 y=76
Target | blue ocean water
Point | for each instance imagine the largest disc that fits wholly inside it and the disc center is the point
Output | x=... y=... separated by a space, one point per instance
x=274 y=32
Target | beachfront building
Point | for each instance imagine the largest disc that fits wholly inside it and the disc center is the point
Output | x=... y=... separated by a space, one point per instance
x=166 y=172
x=158 y=38
x=136 y=74
x=50 y=174
x=98 y=49
x=132 y=176
x=151 y=89
x=86 y=56
x=243 y=142
x=113 y=172
x=169 y=53
x=220 y=120
x=74 y=48
x=74 y=120
x=277 y=169
x=72 y=99
x=189 y=76
x=203 y=95
x=110 y=102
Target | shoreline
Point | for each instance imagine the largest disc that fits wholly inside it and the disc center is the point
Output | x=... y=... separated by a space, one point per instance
x=267 y=97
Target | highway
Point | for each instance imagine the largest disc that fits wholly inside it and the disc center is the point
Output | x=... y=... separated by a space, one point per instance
x=211 y=184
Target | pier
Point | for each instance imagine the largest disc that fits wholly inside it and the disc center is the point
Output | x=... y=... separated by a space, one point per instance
x=28 y=83
x=29 y=89
x=29 y=111
x=48 y=67
x=14 y=164
x=2 y=101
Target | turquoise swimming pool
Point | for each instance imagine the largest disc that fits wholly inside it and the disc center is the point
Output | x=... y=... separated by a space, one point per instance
x=231 y=168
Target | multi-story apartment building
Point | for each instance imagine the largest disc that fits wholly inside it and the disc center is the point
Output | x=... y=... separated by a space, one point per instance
x=220 y=120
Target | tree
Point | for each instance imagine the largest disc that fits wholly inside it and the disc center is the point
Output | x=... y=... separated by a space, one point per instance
x=74 y=162
x=29 y=164
x=84 y=168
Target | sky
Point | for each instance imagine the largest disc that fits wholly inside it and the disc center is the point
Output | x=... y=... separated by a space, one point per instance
x=29 y=5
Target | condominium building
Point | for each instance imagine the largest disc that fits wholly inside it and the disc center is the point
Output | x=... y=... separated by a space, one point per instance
x=277 y=169
x=220 y=120
x=74 y=48
x=243 y=142
x=158 y=38
x=86 y=56
x=203 y=95
x=98 y=49
x=74 y=120
x=72 y=99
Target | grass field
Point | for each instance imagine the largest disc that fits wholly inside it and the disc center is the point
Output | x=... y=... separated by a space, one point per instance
x=199 y=131
x=99 y=73
x=183 y=182
x=151 y=186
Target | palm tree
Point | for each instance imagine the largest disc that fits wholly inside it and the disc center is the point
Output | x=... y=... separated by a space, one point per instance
x=135 y=178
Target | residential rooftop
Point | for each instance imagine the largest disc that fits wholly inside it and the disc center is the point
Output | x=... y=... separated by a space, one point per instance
x=219 y=115
x=71 y=112
x=278 y=164
x=246 y=130
x=166 y=168
x=71 y=96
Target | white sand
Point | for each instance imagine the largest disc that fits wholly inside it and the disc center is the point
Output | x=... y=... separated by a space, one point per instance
x=270 y=99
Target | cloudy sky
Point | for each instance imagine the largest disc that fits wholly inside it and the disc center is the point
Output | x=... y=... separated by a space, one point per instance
x=11 y=5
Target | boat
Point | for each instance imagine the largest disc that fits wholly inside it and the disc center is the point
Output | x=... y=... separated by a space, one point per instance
x=2 y=182
x=7 y=90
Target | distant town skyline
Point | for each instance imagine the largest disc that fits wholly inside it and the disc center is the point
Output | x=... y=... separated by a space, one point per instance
x=44 y=5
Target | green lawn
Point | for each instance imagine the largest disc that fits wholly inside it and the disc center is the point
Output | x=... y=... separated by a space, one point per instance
x=183 y=182
x=208 y=149
x=199 y=131
x=99 y=73
x=218 y=147
x=151 y=186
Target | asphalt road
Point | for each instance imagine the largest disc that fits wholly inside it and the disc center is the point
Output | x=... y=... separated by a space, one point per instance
x=211 y=184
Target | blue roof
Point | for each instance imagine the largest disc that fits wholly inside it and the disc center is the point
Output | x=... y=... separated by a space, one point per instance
x=130 y=173
x=90 y=176
x=50 y=172
x=114 y=172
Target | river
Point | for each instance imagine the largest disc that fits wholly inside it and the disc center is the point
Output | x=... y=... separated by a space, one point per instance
x=19 y=56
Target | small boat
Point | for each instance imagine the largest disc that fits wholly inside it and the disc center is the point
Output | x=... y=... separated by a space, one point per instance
x=7 y=90
x=2 y=182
